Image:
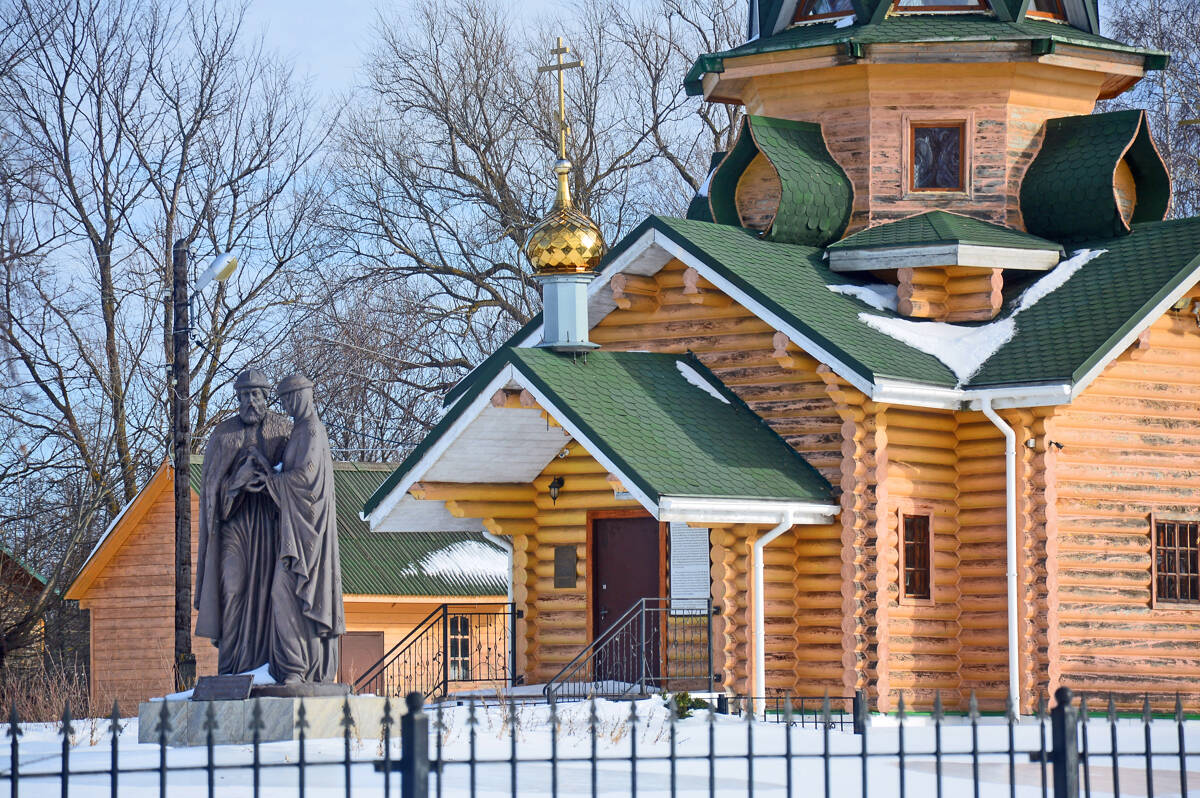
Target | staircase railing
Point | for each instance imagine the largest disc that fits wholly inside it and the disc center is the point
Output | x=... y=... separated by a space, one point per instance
x=657 y=645
x=456 y=647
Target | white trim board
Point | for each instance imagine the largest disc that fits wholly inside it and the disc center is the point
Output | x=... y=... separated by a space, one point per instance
x=934 y=255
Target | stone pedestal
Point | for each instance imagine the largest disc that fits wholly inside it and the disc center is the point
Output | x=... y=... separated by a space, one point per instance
x=279 y=719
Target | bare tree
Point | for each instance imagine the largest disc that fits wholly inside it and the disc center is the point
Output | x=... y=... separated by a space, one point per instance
x=1169 y=96
x=124 y=125
x=444 y=164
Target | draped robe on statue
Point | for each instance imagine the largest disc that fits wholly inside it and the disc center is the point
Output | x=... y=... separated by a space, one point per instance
x=238 y=545
x=306 y=593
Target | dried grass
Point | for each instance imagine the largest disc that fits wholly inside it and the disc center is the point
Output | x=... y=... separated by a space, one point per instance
x=40 y=693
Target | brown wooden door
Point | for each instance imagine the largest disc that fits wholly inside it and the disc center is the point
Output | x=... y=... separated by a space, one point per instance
x=360 y=650
x=627 y=567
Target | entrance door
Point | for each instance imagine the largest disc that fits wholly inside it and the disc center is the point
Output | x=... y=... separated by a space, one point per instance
x=626 y=568
x=360 y=650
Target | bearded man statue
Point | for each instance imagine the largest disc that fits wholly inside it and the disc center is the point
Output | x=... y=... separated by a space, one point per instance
x=239 y=529
x=306 y=593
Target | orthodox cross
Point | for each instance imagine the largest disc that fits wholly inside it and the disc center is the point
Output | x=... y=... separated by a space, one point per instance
x=560 y=50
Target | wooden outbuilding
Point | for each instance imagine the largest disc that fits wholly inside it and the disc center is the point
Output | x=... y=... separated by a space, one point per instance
x=390 y=583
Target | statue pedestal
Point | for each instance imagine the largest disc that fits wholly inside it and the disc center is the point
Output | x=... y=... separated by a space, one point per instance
x=278 y=716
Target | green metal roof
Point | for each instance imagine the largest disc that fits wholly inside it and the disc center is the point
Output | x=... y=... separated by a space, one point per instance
x=1067 y=193
x=915 y=28
x=406 y=563
x=942 y=227
x=665 y=434
x=816 y=195
x=20 y=563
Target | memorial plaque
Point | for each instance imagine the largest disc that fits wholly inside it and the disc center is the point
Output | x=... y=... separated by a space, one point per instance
x=564 y=566
x=222 y=688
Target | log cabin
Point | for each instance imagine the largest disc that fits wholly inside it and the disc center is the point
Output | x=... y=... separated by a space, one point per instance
x=390 y=583
x=920 y=371
x=20 y=587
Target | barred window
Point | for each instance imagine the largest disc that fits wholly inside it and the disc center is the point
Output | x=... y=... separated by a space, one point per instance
x=460 y=647
x=1176 y=569
x=916 y=561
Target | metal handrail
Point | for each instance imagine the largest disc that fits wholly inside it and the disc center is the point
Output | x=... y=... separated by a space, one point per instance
x=589 y=653
x=395 y=651
x=427 y=647
x=649 y=620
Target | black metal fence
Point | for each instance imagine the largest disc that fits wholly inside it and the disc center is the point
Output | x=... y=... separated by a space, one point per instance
x=456 y=647
x=1068 y=761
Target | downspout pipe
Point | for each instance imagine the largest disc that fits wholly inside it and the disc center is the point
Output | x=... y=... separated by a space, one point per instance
x=1010 y=534
x=506 y=544
x=760 y=611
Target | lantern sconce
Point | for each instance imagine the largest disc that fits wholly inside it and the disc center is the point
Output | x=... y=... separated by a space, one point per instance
x=555 y=485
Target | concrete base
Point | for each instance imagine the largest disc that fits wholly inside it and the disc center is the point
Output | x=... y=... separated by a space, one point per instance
x=279 y=718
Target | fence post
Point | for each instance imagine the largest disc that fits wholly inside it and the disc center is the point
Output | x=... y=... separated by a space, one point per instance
x=1064 y=731
x=445 y=650
x=414 y=749
x=860 y=711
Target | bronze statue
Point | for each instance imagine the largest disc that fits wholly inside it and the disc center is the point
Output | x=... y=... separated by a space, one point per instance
x=306 y=592
x=239 y=529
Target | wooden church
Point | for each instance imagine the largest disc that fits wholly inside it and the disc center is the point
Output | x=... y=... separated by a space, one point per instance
x=918 y=377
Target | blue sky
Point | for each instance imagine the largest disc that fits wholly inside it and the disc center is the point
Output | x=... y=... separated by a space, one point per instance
x=326 y=40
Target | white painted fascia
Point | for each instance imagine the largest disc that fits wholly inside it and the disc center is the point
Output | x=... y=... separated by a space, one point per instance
x=481 y=400
x=899 y=392
x=973 y=255
x=716 y=510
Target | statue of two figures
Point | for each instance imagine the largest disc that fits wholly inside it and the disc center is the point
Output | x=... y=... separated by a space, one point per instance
x=268 y=581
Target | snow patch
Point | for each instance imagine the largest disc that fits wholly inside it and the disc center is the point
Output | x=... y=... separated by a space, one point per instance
x=261 y=674
x=693 y=376
x=469 y=558
x=880 y=297
x=845 y=22
x=963 y=349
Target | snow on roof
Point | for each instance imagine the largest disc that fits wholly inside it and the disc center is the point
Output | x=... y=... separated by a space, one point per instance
x=693 y=376
x=964 y=349
x=469 y=558
x=881 y=297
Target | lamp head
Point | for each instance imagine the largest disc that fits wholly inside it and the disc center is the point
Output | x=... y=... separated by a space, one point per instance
x=220 y=268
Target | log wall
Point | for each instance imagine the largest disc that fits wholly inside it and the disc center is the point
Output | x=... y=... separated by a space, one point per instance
x=1130 y=448
x=865 y=110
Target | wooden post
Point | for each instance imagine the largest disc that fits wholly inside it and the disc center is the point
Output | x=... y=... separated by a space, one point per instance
x=185 y=660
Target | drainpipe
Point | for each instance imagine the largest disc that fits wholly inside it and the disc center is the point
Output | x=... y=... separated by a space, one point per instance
x=1010 y=524
x=506 y=544
x=760 y=612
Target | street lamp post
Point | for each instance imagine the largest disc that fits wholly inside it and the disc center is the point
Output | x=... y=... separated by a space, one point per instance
x=181 y=433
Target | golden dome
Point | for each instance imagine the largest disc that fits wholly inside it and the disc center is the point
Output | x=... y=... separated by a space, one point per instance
x=566 y=241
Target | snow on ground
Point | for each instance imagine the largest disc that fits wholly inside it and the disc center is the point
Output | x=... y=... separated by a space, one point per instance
x=615 y=738
x=964 y=349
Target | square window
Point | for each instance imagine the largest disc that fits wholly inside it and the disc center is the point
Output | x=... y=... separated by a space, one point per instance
x=822 y=9
x=916 y=558
x=1176 y=564
x=937 y=156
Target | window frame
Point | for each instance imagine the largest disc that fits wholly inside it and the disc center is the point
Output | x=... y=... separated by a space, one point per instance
x=1060 y=15
x=910 y=150
x=464 y=638
x=980 y=5
x=903 y=514
x=1169 y=603
x=799 y=15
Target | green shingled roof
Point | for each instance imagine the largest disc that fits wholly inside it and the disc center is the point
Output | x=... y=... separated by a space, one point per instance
x=1067 y=193
x=942 y=227
x=815 y=194
x=912 y=28
x=665 y=434
x=403 y=563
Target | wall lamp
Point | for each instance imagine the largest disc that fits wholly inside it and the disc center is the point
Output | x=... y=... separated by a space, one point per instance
x=555 y=485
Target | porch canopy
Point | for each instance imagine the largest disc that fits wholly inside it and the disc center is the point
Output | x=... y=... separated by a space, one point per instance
x=669 y=432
